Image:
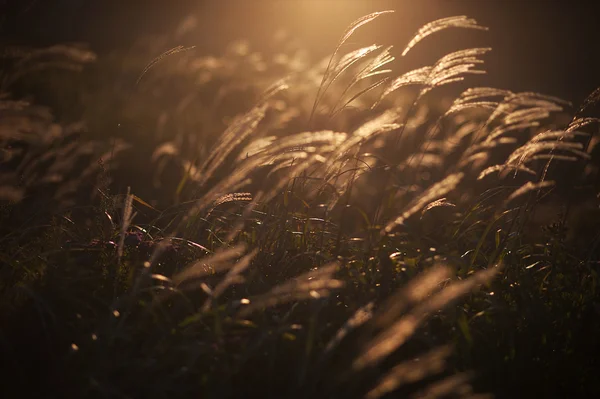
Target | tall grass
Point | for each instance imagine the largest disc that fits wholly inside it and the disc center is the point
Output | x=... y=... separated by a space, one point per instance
x=299 y=231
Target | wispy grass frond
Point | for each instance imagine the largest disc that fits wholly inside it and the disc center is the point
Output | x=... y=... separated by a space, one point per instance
x=524 y=153
x=41 y=67
x=531 y=114
x=589 y=101
x=555 y=157
x=219 y=262
x=372 y=67
x=514 y=101
x=476 y=160
x=359 y=318
x=382 y=123
x=256 y=147
x=495 y=135
x=535 y=99
x=502 y=168
x=434 y=192
x=72 y=53
x=415 y=291
x=415 y=77
x=168 y=149
x=295 y=170
x=346 y=61
x=394 y=336
x=233 y=197
x=456 y=385
x=232 y=277
x=125 y=222
x=312 y=285
x=361 y=93
x=357 y=24
x=485 y=105
x=478 y=93
x=442 y=202
x=236 y=180
x=228 y=198
x=323 y=139
x=528 y=187
x=326 y=80
x=461 y=21
x=411 y=371
x=161 y=57
x=578 y=123
x=238 y=131
x=556 y=134
x=275 y=88
x=454 y=66
x=12 y=105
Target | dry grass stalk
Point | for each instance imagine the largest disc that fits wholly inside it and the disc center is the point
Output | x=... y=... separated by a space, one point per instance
x=434 y=192
x=461 y=21
x=396 y=333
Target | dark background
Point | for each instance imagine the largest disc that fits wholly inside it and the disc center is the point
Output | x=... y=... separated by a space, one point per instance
x=538 y=45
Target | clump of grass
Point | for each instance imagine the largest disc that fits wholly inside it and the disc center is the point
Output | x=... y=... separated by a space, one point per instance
x=311 y=249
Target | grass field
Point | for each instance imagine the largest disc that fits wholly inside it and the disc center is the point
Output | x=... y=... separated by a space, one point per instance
x=256 y=223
